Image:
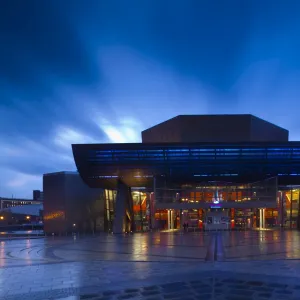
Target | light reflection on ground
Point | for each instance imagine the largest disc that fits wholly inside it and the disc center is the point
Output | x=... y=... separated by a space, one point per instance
x=66 y=267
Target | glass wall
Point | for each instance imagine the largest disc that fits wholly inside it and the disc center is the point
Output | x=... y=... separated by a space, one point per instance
x=141 y=210
x=289 y=207
x=110 y=200
x=217 y=192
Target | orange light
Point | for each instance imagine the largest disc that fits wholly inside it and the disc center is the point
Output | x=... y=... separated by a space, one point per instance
x=1 y=217
x=27 y=217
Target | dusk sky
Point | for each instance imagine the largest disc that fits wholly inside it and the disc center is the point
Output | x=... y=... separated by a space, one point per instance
x=94 y=71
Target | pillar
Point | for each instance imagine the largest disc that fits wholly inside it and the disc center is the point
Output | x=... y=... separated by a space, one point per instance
x=169 y=219
x=172 y=219
x=122 y=204
x=260 y=218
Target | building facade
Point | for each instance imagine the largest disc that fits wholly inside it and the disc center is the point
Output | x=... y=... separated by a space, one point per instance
x=212 y=172
x=70 y=205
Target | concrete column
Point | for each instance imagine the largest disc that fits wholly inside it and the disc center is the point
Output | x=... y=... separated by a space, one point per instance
x=260 y=218
x=172 y=219
x=264 y=217
x=169 y=219
x=122 y=201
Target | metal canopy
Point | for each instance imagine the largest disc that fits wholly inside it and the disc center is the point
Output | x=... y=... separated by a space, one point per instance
x=100 y=165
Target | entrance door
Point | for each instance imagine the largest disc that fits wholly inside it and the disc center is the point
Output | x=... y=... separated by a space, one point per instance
x=217 y=219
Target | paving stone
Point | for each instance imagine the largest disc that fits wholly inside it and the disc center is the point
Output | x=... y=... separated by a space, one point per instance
x=255 y=283
x=285 y=292
x=204 y=297
x=150 y=288
x=180 y=295
x=234 y=297
x=203 y=290
x=127 y=296
x=241 y=292
x=175 y=289
x=239 y=287
x=265 y=295
x=277 y=285
x=175 y=284
x=150 y=293
x=262 y=289
x=110 y=293
x=89 y=296
x=132 y=290
x=233 y=281
x=107 y=267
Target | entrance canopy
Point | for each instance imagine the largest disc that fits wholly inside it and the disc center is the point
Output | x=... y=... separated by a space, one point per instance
x=100 y=165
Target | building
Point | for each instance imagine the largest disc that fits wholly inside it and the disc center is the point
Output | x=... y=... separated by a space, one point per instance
x=38 y=195
x=23 y=214
x=70 y=205
x=11 y=202
x=214 y=129
x=212 y=171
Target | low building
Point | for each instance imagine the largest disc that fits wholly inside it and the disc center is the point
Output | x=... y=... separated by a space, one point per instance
x=21 y=214
x=70 y=205
x=11 y=202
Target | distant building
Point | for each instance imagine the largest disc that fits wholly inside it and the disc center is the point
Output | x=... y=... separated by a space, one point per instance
x=21 y=214
x=11 y=202
x=70 y=205
x=38 y=195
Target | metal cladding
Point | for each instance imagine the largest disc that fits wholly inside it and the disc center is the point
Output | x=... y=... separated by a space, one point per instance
x=100 y=165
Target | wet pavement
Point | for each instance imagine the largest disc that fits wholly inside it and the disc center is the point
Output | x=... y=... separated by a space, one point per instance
x=223 y=265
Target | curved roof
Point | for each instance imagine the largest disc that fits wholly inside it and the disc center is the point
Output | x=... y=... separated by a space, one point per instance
x=101 y=165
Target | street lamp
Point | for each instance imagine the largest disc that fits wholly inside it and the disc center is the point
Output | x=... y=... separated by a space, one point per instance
x=1 y=218
x=27 y=217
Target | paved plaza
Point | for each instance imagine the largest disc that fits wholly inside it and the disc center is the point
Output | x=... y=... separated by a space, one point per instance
x=167 y=265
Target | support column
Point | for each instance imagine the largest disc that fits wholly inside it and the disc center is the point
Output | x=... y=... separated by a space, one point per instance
x=172 y=219
x=169 y=219
x=264 y=217
x=122 y=204
x=260 y=218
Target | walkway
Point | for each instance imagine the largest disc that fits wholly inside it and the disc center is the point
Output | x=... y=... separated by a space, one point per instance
x=228 y=265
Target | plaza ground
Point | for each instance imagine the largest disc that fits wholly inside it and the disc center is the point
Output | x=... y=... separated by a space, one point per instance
x=166 y=265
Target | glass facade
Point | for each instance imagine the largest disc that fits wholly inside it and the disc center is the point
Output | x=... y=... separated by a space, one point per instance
x=110 y=200
x=285 y=213
x=218 y=192
x=141 y=210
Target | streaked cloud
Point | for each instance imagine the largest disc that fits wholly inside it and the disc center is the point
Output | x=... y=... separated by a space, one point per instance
x=77 y=73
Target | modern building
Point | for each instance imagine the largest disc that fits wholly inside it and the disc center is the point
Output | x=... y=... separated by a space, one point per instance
x=70 y=205
x=210 y=171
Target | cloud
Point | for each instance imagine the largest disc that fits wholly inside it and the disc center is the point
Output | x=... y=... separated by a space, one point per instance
x=77 y=73
x=65 y=137
x=136 y=92
x=267 y=90
x=18 y=184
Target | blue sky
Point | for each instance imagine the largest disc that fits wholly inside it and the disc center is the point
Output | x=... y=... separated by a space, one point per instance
x=78 y=71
